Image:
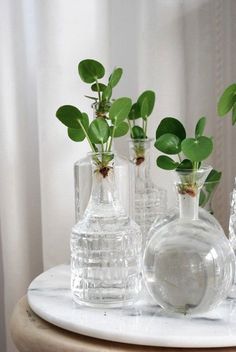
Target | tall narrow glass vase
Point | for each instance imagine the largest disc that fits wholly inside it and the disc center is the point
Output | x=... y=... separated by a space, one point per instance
x=149 y=200
x=188 y=265
x=105 y=244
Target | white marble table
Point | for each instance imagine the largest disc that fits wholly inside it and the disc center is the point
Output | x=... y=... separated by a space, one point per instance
x=144 y=323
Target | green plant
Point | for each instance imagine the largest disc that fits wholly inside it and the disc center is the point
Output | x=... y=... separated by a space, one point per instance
x=101 y=131
x=227 y=102
x=142 y=109
x=171 y=139
x=91 y=72
x=138 y=123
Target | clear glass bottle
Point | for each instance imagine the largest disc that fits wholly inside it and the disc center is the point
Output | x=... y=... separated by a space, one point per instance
x=105 y=244
x=150 y=201
x=83 y=175
x=188 y=265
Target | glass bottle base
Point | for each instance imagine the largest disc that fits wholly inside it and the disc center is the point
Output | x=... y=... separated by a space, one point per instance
x=105 y=303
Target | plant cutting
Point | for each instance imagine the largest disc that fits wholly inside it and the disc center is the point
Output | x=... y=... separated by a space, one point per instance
x=99 y=132
x=142 y=109
x=227 y=103
x=138 y=123
x=110 y=123
x=171 y=139
x=91 y=72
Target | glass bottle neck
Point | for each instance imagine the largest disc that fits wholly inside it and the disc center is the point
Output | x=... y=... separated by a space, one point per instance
x=188 y=206
x=104 y=195
x=103 y=186
x=188 y=185
x=140 y=156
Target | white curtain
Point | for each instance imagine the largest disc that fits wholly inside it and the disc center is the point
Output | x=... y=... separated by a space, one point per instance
x=182 y=49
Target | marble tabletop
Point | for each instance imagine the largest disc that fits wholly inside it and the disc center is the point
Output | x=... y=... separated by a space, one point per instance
x=31 y=333
x=144 y=323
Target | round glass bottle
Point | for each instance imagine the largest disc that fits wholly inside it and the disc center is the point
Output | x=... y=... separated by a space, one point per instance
x=105 y=244
x=149 y=201
x=189 y=265
x=83 y=174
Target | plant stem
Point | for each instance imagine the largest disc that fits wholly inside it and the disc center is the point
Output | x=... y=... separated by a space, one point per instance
x=179 y=156
x=195 y=168
x=87 y=136
x=99 y=93
x=130 y=128
x=145 y=128
x=111 y=139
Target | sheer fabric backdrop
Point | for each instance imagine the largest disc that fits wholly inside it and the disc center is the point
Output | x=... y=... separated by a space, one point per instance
x=181 y=49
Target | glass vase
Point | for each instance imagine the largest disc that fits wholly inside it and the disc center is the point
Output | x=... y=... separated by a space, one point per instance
x=150 y=201
x=188 y=264
x=105 y=244
x=83 y=174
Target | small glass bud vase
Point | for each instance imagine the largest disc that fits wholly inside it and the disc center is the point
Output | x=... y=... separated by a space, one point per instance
x=105 y=244
x=188 y=265
x=149 y=200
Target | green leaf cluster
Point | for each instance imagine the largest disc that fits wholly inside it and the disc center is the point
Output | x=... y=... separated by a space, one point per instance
x=141 y=109
x=227 y=102
x=171 y=140
x=99 y=131
x=91 y=71
x=112 y=116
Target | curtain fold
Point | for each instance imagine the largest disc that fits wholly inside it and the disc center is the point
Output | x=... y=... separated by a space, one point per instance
x=182 y=49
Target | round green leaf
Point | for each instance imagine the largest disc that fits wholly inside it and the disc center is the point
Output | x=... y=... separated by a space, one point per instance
x=168 y=143
x=146 y=103
x=138 y=133
x=134 y=112
x=115 y=77
x=144 y=108
x=212 y=180
x=101 y=86
x=69 y=115
x=186 y=164
x=200 y=126
x=197 y=149
x=98 y=131
x=78 y=135
x=234 y=114
x=120 y=109
x=75 y=134
x=106 y=94
x=166 y=163
x=120 y=130
x=90 y=70
x=171 y=125
x=227 y=100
